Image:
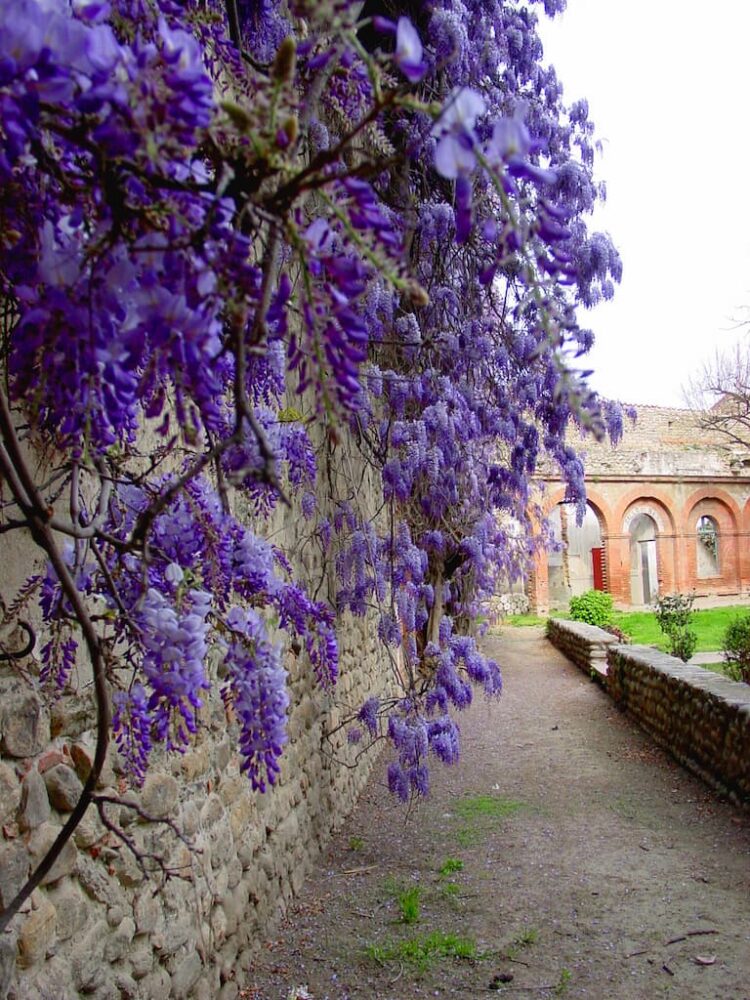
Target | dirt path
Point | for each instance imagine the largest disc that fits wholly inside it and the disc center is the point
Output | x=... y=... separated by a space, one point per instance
x=583 y=863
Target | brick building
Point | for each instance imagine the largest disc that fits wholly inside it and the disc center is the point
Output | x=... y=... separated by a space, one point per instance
x=668 y=510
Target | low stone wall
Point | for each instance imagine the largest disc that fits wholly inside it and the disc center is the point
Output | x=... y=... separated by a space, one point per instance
x=586 y=645
x=702 y=718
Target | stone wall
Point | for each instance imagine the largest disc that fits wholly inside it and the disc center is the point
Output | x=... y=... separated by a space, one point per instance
x=586 y=645
x=702 y=718
x=234 y=858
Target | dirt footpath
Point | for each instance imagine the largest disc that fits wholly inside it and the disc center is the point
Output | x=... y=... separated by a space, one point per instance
x=564 y=856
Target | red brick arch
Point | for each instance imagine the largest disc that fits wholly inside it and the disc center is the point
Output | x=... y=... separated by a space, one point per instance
x=636 y=495
x=719 y=505
x=600 y=507
x=597 y=503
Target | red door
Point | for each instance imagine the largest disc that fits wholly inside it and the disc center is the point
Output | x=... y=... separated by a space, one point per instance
x=597 y=560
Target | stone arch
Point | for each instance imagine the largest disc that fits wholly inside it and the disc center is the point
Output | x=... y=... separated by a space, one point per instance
x=648 y=556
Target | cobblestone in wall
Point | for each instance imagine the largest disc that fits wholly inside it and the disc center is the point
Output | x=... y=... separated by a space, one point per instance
x=97 y=927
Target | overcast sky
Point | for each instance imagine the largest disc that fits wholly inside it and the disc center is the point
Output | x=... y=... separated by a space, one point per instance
x=668 y=87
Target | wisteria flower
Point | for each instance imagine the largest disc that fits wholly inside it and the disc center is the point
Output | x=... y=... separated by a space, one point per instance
x=511 y=145
x=409 y=51
x=454 y=154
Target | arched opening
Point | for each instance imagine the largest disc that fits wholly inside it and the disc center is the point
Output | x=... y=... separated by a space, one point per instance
x=707 y=548
x=575 y=565
x=644 y=575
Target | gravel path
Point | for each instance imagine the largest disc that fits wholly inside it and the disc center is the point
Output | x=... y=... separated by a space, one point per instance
x=583 y=863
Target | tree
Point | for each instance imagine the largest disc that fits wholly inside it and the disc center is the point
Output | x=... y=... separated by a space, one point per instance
x=204 y=202
x=720 y=396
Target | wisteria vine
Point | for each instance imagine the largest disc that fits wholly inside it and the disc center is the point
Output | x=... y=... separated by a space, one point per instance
x=228 y=231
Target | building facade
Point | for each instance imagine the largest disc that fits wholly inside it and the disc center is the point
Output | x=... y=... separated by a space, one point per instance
x=668 y=511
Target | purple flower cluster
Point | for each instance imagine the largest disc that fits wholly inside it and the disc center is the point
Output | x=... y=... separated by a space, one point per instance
x=174 y=641
x=257 y=682
x=58 y=660
x=132 y=722
x=183 y=234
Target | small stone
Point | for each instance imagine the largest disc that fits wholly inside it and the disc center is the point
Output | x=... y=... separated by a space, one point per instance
x=37 y=933
x=160 y=795
x=212 y=811
x=126 y=985
x=223 y=754
x=26 y=731
x=194 y=763
x=229 y=991
x=82 y=754
x=49 y=759
x=202 y=990
x=89 y=830
x=35 y=808
x=115 y=915
x=117 y=944
x=174 y=936
x=15 y=864
x=63 y=787
x=89 y=971
x=218 y=926
x=10 y=793
x=156 y=986
x=73 y=715
x=234 y=872
x=40 y=841
x=186 y=975
x=7 y=962
x=71 y=909
x=126 y=870
x=190 y=819
x=147 y=912
x=141 y=962
x=97 y=882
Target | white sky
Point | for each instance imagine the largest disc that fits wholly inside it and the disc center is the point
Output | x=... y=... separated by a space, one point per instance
x=668 y=86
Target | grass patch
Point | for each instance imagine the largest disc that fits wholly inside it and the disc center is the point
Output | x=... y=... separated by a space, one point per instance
x=487 y=807
x=406 y=897
x=356 y=843
x=450 y=866
x=408 y=904
x=718 y=668
x=451 y=890
x=523 y=621
x=525 y=939
x=421 y=952
x=709 y=624
x=563 y=982
x=478 y=812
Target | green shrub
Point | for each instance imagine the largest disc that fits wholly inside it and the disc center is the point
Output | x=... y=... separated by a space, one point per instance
x=674 y=613
x=736 y=648
x=594 y=607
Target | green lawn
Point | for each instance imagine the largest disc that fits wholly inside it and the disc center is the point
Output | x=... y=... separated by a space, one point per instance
x=710 y=625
